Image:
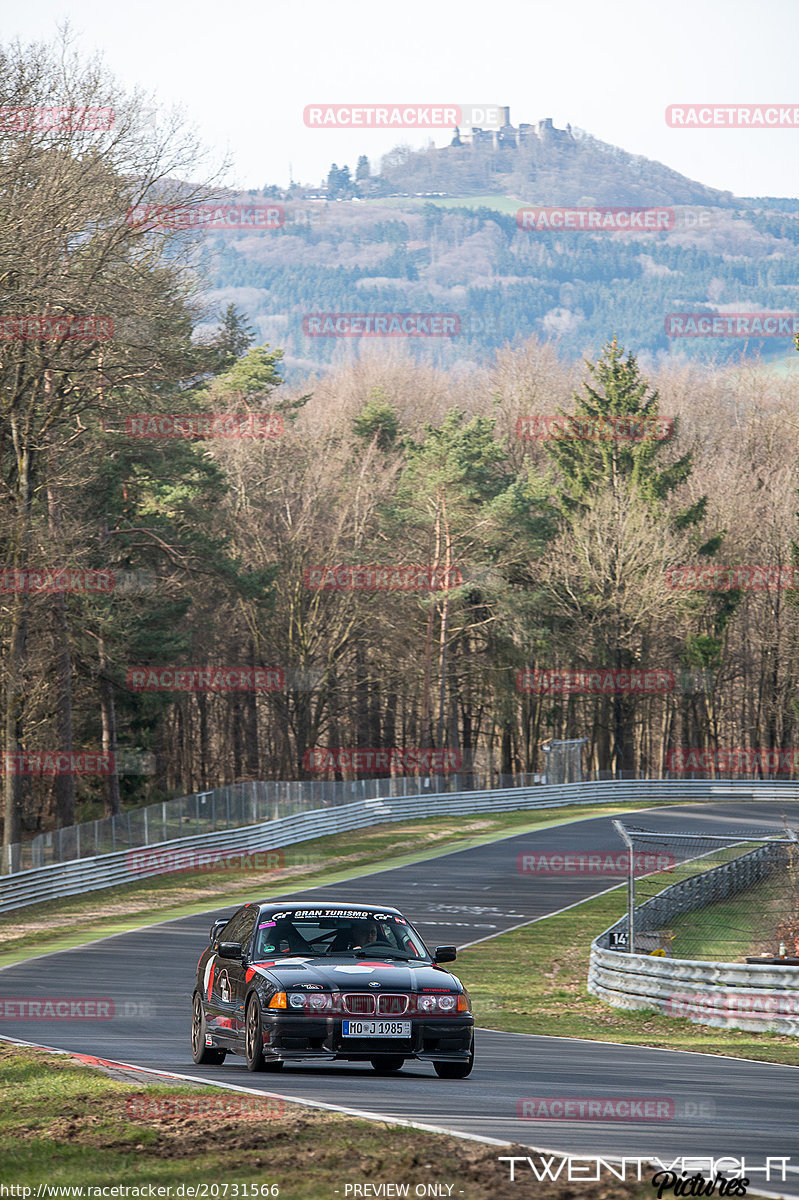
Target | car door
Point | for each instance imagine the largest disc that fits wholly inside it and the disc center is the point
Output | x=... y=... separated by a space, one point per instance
x=236 y=969
x=224 y=1012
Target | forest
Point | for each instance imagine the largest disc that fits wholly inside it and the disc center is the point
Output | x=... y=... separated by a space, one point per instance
x=211 y=574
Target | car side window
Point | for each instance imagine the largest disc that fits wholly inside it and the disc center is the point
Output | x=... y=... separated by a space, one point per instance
x=247 y=928
x=235 y=927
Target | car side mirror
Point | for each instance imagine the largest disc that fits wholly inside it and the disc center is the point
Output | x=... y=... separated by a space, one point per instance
x=445 y=954
x=229 y=950
x=217 y=928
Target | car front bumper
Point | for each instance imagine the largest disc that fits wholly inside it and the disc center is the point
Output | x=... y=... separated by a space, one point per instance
x=443 y=1040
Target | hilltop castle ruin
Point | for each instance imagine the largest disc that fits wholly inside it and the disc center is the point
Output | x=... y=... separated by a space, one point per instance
x=510 y=135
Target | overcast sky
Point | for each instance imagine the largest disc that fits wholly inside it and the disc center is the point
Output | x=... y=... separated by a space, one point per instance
x=243 y=72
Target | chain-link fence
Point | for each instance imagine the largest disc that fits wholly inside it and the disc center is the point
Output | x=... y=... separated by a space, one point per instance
x=707 y=896
x=564 y=761
x=231 y=807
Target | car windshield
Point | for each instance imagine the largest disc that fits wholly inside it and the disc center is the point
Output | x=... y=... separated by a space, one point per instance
x=381 y=936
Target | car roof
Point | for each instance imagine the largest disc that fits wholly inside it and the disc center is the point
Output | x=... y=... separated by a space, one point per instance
x=329 y=906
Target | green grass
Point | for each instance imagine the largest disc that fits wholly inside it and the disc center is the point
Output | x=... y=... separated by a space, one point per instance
x=534 y=980
x=727 y=931
x=62 y=924
x=65 y=1124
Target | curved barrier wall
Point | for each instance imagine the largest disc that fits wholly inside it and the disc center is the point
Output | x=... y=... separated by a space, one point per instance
x=749 y=996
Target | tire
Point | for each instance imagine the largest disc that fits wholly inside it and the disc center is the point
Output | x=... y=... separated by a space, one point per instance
x=254 y=1042
x=203 y=1055
x=455 y=1070
x=388 y=1064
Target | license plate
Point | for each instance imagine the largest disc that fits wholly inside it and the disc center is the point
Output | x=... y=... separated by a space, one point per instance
x=393 y=1029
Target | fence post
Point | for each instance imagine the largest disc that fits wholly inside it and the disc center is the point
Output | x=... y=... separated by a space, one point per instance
x=630 y=887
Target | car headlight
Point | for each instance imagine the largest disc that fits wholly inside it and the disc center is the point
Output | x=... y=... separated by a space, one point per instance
x=297 y=1000
x=322 y=1002
x=441 y=1004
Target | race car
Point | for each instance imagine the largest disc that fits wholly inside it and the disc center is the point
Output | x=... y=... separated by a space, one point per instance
x=303 y=981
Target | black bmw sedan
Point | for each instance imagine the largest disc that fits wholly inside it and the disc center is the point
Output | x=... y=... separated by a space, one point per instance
x=301 y=981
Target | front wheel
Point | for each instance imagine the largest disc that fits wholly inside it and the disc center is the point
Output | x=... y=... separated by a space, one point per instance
x=254 y=1040
x=455 y=1070
x=203 y=1055
x=387 y=1064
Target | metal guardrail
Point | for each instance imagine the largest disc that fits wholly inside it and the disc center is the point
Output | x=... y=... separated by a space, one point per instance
x=229 y=807
x=107 y=870
x=746 y=996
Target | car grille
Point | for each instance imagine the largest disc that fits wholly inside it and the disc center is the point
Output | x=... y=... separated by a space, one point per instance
x=359 y=1003
x=390 y=1004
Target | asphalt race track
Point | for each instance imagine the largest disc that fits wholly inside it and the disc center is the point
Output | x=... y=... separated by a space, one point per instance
x=721 y=1107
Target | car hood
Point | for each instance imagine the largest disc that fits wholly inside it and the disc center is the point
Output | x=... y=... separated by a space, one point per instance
x=348 y=974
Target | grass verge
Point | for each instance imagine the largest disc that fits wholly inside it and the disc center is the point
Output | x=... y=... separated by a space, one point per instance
x=66 y=1124
x=533 y=980
x=63 y=924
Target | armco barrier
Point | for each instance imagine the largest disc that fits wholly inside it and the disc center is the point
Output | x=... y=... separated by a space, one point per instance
x=728 y=995
x=89 y=874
